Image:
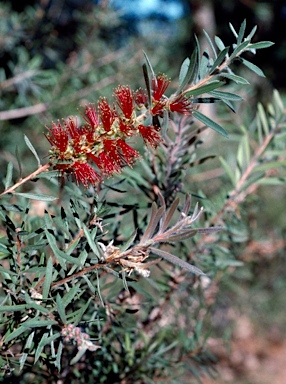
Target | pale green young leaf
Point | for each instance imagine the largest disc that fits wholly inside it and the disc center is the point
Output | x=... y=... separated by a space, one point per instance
x=233 y=30
x=260 y=45
x=252 y=67
x=272 y=181
x=189 y=71
x=250 y=36
x=220 y=58
x=239 y=49
x=203 y=69
x=219 y=43
x=9 y=174
x=241 y=32
x=210 y=44
x=32 y=149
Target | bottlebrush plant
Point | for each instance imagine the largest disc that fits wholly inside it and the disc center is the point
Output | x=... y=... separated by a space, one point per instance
x=86 y=293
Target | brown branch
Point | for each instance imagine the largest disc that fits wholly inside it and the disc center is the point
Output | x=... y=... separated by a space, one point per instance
x=41 y=169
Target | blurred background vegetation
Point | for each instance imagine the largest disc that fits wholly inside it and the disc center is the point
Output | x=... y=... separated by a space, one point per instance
x=57 y=55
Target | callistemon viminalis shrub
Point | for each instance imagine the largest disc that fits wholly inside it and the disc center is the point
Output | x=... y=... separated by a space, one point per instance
x=53 y=271
x=103 y=145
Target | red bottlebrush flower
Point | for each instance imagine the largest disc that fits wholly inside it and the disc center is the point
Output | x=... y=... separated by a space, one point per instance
x=106 y=165
x=84 y=174
x=150 y=135
x=126 y=129
x=58 y=137
x=74 y=132
x=87 y=132
x=158 y=108
x=130 y=155
x=141 y=98
x=107 y=115
x=113 y=152
x=159 y=86
x=181 y=104
x=91 y=115
x=125 y=100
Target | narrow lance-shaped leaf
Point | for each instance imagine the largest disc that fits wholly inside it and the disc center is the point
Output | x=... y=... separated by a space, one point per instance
x=219 y=59
x=241 y=47
x=252 y=66
x=205 y=88
x=176 y=260
x=210 y=123
x=9 y=173
x=261 y=45
x=235 y=78
x=32 y=149
x=210 y=44
x=189 y=72
x=36 y=196
x=48 y=278
x=241 y=32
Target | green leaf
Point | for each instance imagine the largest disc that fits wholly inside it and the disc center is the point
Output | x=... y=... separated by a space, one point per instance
x=48 y=278
x=61 y=308
x=37 y=323
x=149 y=64
x=261 y=45
x=91 y=242
x=36 y=196
x=9 y=174
x=60 y=255
x=228 y=170
x=272 y=181
x=233 y=30
x=188 y=73
x=43 y=342
x=219 y=59
x=205 y=61
x=69 y=296
x=176 y=260
x=210 y=44
x=32 y=149
x=27 y=347
x=235 y=78
x=219 y=43
x=210 y=123
x=241 y=32
x=13 y=308
x=205 y=88
x=184 y=70
x=240 y=48
x=250 y=36
x=226 y=95
x=252 y=67
x=17 y=332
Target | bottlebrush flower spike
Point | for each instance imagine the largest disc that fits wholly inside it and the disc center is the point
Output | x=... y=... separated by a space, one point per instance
x=181 y=104
x=90 y=115
x=107 y=115
x=85 y=174
x=159 y=86
x=124 y=98
x=58 y=137
x=150 y=135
